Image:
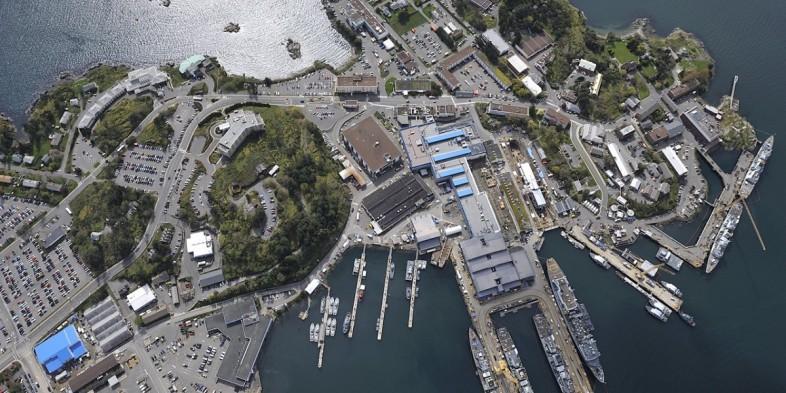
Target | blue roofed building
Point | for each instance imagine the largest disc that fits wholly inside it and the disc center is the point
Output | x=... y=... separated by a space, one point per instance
x=432 y=139
x=449 y=155
x=56 y=351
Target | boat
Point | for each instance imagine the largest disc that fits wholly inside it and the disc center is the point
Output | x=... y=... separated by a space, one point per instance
x=377 y=328
x=756 y=168
x=482 y=362
x=362 y=291
x=563 y=234
x=322 y=306
x=514 y=360
x=602 y=262
x=410 y=270
x=347 y=320
x=553 y=354
x=576 y=243
x=391 y=271
x=688 y=319
x=409 y=292
x=332 y=326
x=577 y=319
x=660 y=306
x=317 y=331
x=672 y=288
x=723 y=237
x=311 y=331
x=334 y=309
x=356 y=266
x=658 y=314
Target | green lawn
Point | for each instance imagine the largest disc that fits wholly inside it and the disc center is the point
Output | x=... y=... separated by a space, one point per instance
x=622 y=53
x=427 y=9
x=402 y=24
x=119 y=121
x=390 y=85
x=649 y=71
x=641 y=87
x=502 y=76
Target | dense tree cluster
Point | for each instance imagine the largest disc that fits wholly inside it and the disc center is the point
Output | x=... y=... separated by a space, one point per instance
x=120 y=214
x=312 y=203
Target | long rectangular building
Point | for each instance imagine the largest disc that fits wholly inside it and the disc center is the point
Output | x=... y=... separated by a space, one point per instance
x=351 y=84
x=389 y=205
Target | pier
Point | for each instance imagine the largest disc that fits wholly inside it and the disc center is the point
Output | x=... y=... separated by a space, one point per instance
x=694 y=255
x=323 y=331
x=413 y=295
x=357 y=292
x=384 y=305
x=653 y=288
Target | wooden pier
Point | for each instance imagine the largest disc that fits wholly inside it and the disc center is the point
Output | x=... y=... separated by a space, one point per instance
x=357 y=292
x=413 y=295
x=384 y=305
x=652 y=287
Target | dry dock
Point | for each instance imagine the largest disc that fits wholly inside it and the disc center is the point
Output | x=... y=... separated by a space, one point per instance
x=357 y=292
x=384 y=305
x=635 y=274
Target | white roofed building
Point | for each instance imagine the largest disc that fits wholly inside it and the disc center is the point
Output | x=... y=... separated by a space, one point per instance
x=675 y=161
x=622 y=164
x=241 y=124
x=532 y=86
x=587 y=66
x=517 y=65
x=141 y=298
x=200 y=245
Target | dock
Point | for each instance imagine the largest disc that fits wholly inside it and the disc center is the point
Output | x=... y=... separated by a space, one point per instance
x=636 y=275
x=413 y=295
x=384 y=305
x=694 y=255
x=444 y=254
x=322 y=332
x=357 y=292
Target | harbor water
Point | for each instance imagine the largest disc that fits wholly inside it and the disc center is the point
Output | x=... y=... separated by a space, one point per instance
x=433 y=356
x=42 y=38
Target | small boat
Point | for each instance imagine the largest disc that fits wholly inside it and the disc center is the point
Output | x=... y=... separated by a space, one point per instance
x=362 y=292
x=356 y=266
x=660 y=306
x=391 y=271
x=347 y=320
x=657 y=313
x=335 y=307
x=311 y=330
x=600 y=261
x=409 y=292
x=672 y=288
x=688 y=319
x=563 y=234
x=322 y=306
x=378 y=323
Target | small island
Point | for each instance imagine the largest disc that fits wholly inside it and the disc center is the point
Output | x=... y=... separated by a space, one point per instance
x=166 y=3
x=232 y=28
x=293 y=48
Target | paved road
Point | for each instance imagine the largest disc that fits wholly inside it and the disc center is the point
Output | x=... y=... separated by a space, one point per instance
x=596 y=175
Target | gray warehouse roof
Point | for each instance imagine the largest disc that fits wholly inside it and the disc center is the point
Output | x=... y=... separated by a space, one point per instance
x=211 y=278
x=494 y=268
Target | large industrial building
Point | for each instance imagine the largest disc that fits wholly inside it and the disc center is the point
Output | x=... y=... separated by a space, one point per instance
x=494 y=268
x=239 y=126
x=371 y=147
x=107 y=324
x=200 y=245
x=389 y=205
x=246 y=329
x=95 y=376
x=58 y=350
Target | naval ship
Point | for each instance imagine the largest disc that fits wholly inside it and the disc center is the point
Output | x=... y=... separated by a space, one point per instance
x=723 y=237
x=757 y=167
x=553 y=354
x=514 y=360
x=577 y=319
x=482 y=363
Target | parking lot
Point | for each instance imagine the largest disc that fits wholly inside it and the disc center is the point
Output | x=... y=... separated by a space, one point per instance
x=319 y=83
x=15 y=212
x=473 y=77
x=143 y=167
x=36 y=279
x=84 y=156
x=426 y=44
x=185 y=357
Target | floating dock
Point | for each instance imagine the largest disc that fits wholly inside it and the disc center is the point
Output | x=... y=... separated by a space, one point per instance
x=384 y=305
x=357 y=292
x=652 y=287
